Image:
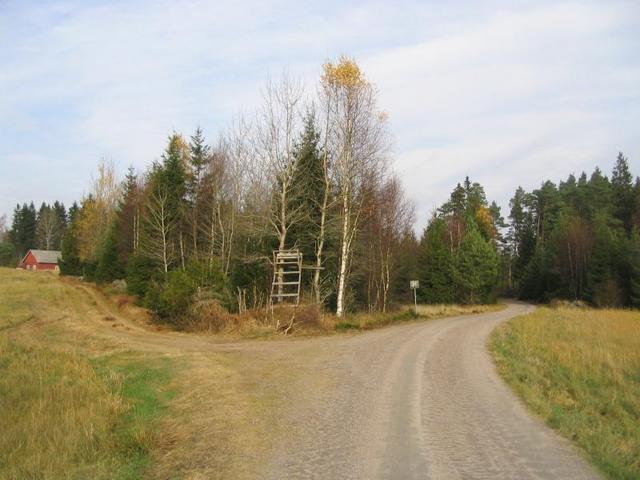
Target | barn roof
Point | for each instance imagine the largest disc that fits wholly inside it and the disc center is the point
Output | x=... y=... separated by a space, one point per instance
x=46 y=256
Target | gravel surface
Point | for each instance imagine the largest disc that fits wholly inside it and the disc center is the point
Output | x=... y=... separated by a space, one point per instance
x=420 y=400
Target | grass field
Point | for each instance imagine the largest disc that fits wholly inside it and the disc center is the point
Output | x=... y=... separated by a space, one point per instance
x=70 y=413
x=579 y=369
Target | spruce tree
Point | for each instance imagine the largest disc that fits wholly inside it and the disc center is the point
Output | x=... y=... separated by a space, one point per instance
x=634 y=263
x=476 y=269
x=23 y=228
x=435 y=265
x=109 y=266
x=307 y=189
x=69 y=262
x=622 y=184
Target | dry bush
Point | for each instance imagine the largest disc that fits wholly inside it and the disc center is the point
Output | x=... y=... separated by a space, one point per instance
x=209 y=316
x=123 y=301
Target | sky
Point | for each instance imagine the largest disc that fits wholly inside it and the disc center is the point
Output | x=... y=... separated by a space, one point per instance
x=508 y=93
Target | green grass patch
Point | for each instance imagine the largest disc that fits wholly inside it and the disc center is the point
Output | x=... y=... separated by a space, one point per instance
x=66 y=416
x=142 y=384
x=578 y=369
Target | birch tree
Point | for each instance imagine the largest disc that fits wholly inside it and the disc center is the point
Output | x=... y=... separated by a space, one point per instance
x=160 y=225
x=48 y=228
x=393 y=214
x=357 y=140
x=277 y=126
x=97 y=211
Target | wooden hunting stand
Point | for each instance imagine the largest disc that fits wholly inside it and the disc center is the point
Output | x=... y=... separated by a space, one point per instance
x=287 y=276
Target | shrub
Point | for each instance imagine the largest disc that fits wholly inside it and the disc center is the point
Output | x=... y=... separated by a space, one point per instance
x=7 y=255
x=171 y=299
x=140 y=271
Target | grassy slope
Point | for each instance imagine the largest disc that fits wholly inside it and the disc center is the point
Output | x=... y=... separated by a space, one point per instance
x=580 y=370
x=67 y=413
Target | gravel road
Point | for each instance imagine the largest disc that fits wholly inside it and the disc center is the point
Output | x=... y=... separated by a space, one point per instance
x=420 y=400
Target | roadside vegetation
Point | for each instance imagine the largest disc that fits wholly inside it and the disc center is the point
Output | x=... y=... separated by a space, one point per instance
x=579 y=369
x=364 y=321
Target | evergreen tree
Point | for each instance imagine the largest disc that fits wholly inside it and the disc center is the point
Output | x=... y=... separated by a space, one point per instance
x=69 y=262
x=634 y=262
x=457 y=204
x=622 y=185
x=73 y=211
x=600 y=195
x=199 y=153
x=167 y=188
x=521 y=234
x=435 y=265
x=127 y=219
x=307 y=189
x=23 y=228
x=476 y=269
x=7 y=255
x=109 y=266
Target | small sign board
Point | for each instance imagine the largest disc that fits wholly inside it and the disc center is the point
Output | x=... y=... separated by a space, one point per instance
x=414 y=284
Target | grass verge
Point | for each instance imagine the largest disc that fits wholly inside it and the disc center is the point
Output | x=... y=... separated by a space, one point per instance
x=579 y=369
x=365 y=321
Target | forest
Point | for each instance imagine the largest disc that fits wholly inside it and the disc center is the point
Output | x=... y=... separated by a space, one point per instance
x=312 y=172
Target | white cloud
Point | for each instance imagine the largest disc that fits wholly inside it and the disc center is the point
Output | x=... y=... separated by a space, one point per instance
x=506 y=94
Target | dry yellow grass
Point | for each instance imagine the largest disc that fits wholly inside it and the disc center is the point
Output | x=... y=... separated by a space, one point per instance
x=365 y=321
x=66 y=413
x=56 y=415
x=580 y=370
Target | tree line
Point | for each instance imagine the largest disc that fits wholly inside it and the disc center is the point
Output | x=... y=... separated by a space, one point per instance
x=578 y=240
x=41 y=229
x=200 y=225
x=312 y=172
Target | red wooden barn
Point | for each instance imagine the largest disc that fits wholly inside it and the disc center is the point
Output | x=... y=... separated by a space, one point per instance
x=40 y=260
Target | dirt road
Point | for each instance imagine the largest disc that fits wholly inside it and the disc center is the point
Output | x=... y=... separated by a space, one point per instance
x=419 y=400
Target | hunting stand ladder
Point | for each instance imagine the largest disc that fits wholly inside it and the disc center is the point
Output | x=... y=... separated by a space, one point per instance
x=287 y=276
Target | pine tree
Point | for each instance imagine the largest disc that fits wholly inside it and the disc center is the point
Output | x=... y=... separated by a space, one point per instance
x=457 y=204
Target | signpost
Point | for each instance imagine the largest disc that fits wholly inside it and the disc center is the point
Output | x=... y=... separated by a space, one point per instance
x=415 y=284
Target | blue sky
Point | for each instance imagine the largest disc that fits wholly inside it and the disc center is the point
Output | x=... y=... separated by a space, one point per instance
x=510 y=93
